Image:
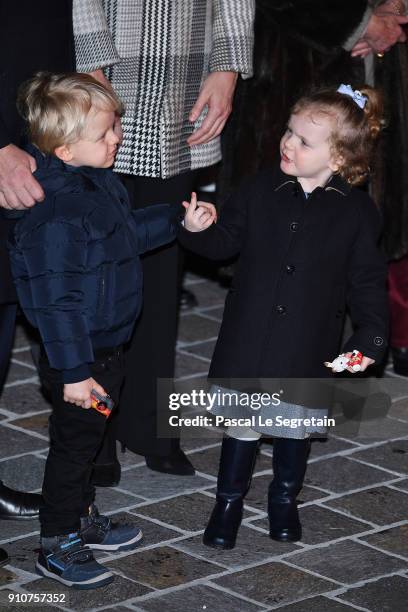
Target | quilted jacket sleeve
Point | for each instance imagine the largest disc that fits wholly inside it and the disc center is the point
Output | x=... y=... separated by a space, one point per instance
x=49 y=269
x=94 y=47
x=233 y=36
x=155 y=226
x=367 y=297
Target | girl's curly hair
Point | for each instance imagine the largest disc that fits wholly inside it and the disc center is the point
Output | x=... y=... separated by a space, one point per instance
x=355 y=130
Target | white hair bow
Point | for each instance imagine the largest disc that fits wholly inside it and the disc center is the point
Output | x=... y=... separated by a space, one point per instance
x=356 y=95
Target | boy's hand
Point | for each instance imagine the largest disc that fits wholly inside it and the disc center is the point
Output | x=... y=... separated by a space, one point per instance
x=199 y=215
x=365 y=362
x=80 y=393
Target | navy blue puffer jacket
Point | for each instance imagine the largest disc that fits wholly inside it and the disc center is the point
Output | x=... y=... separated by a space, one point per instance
x=75 y=261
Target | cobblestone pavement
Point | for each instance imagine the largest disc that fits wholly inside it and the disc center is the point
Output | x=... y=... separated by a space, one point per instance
x=354 y=553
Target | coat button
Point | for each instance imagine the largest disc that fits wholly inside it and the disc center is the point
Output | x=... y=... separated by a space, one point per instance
x=294 y=226
x=290 y=269
x=378 y=341
x=281 y=309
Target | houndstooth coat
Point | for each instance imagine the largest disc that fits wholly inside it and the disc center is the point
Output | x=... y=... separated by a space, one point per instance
x=157 y=54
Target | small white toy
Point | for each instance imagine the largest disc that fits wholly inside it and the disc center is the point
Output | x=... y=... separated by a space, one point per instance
x=342 y=362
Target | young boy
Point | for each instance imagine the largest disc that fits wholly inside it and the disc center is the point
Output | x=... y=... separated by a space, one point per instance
x=75 y=261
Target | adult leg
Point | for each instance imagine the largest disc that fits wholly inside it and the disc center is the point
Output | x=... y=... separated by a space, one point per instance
x=13 y=504
x=151 y=352
x=398 y=295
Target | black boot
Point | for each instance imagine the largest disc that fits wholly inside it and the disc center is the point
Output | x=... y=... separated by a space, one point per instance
x=234 y=477
x=4 y=558
x=177 y=463
x=289 y=467
x=16 y=505
x=400 y=360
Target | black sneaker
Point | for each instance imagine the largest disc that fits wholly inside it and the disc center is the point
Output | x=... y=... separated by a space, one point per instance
x=64 y=558
x=100 y=533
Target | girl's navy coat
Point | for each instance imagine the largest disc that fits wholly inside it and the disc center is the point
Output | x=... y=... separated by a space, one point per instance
x=75 y=261
x=301 y=262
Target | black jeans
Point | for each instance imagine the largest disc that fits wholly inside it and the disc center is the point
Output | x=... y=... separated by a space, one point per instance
x=75 y=437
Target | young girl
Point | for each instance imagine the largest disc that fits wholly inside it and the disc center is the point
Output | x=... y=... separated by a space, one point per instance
x=307 y=243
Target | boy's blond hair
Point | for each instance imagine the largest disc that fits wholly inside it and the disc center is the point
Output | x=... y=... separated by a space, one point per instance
x=56 y=107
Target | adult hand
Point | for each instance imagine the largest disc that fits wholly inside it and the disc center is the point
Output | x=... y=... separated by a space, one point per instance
x=385 y=30
x=395 y=7
x=80 y=393
x=18 y=187
x=216 y=94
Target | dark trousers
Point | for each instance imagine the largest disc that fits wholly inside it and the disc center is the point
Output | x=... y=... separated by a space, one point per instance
x=7 y=326
x=75 y=437
x=151 y=352
x=398 y=294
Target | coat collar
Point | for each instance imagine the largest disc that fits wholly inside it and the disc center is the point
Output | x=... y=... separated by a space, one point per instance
x=336 y=183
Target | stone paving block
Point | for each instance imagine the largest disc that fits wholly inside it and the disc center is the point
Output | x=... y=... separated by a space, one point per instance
x=13 y=442
x=189 y=512
x=209 y=294
x=207 y=461
x=196 y=599
x=252 y=547
x=23 y=473
x=320 y=525
x=155 y=485
x=395 y=386
x=217 y=312
x=162 y=567
x=116 y=592
x=188 y=364
x=347 y=562
x=394 y=540
x=377 y=430
x=7 y=576
x=340 y=474
x=380 y=505
x=203 y=349
x=23 y=552
x=401 y=484
x=392 y=456
x=317 y=604
x=109 y=499
x=327 y=446
x=399 y=409
x=23 y=398
x=129 y=458
x=192 y=438
x=152 y=532
x=37 y=423
x=9 y=530
x=193 y=328
x=385 y=595
x=25 y=356
x=275 y=583
x=24 y=334
x=19 y=372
